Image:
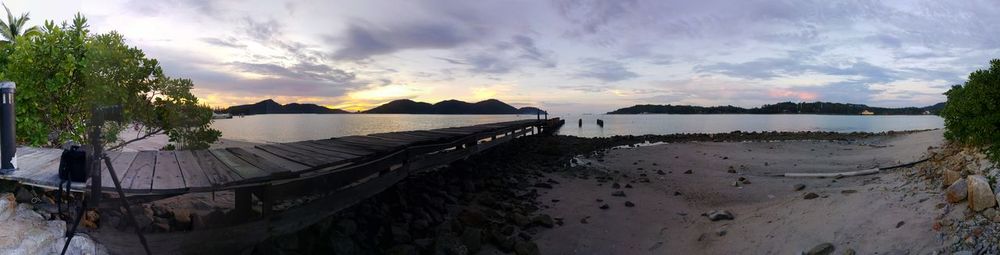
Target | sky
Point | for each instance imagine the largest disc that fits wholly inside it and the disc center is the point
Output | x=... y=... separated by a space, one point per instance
x=561 y=55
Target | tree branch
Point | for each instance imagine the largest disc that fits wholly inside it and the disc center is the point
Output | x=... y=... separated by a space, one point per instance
x=147 y=135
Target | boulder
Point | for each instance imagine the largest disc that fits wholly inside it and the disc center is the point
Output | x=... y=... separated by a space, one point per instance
x=951 y=176
x=980 y=194
x=526 y=248
x=957 y=192
x=544 y=220
x=473 y=239
x=810 y=195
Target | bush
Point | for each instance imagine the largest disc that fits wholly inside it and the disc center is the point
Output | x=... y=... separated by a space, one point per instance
x=972 y=112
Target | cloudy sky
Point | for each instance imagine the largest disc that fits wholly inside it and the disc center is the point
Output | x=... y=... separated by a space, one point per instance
x=563 y=55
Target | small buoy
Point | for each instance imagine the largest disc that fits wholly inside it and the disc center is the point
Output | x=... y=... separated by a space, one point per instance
x=580 y=123
x=600 y=122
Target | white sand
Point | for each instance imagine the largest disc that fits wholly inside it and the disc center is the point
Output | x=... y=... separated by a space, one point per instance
x=770 y=216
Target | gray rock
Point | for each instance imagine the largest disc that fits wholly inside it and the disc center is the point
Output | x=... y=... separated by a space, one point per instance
x=473 y=239
x=717 y=215
x=618 y=193
x=810 y=195
x=8 y=206
x=629 y=204
x=957 y=192
x=544 y=220
x=821 y=249
x=799 y=187
x=403 y=249
x=849 y=251
x=526 y=248
x=520 y=220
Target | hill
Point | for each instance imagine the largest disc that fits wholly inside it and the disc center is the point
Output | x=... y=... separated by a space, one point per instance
x=781 y=108
x=271 y=107
x=491 y=106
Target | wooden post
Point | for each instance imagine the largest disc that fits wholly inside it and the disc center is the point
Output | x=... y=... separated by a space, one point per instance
x=244 y=202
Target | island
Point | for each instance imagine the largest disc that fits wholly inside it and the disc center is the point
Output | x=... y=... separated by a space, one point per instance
x=490 y=106
x=782 y=108
x=271 y=107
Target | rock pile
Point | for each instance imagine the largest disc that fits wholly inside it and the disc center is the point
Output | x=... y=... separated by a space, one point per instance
x=968 y=177
x=23 y=230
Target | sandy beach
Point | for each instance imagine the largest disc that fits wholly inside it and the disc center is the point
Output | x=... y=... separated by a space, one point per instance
x=889 y=212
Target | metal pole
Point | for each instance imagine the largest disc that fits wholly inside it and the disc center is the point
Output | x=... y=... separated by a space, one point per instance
x=8 y=160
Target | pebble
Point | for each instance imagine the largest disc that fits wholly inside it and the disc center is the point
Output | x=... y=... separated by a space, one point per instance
x=957 y=192
x=810 y=195
x=629 y=204
x=618 y=193
x=605 y=206
x=688 y=171
x=717 y=215
x=799 y=187
x=821 y=249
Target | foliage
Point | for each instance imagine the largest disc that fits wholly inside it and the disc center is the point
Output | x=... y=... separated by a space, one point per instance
x=13 y=27
x=972 y=113
x=64 y=71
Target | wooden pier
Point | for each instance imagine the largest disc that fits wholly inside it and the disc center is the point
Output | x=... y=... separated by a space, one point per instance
x=342 y=170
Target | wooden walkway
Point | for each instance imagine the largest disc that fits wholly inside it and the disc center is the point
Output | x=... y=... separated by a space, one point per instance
x=178 y=172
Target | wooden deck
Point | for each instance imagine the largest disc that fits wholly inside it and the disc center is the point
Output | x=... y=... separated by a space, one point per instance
x=177 y=172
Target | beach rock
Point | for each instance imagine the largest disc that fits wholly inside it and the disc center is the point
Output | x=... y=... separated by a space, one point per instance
x=403 y=249
x=951 y=176
x=472 y=217
x=8 y=206
x=23 y=195
x=196 y=221
x=520 y=219
x=473 y=239
x=821 y=249
x=544 y=220
x=849 y=251
x=628 y=186
x=604 y=206
x=81 y=244
x=526 y=248
x=980 y=194
x=810 y=195
x=688 y=171
x=799 y=187
x=717 y=215
x=629 y=204
x=543 y=185
x=90 y=218
x=618 y=193
x=957 y=192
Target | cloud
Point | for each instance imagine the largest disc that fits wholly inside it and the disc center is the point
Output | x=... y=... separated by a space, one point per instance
x=228 y=42
x=302 y=71
x=605 y=70
x=365 y=41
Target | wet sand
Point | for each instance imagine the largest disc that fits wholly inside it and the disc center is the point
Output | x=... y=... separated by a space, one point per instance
x=886 y=213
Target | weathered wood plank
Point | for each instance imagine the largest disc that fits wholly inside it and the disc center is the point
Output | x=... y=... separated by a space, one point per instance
x=217 y=172
x=140 y=174
x=195 y=178
x=168 y=176
x=122 y=162
x=275 y=159
x=239 y=166
x=330 y=155
x=402 y=137
x=328 y=145
x=301 y=157
x=369 y=142
x=272 y=169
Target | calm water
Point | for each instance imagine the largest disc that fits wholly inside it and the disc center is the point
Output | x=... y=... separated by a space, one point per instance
x=297 y=127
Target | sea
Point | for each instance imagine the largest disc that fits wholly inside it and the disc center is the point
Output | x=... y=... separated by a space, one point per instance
x=298 y=127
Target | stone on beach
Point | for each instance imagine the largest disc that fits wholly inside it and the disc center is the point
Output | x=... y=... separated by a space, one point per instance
x=810 y=195
x=951 y=176
x=618 y=193
x=717 y=215
x=799 y=187
x=980 y=194
x=957 y=192
x=821 y=249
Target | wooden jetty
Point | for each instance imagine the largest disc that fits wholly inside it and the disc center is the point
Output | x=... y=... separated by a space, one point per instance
x=343 y=171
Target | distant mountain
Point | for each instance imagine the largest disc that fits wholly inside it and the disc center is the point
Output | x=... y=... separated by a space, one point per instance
x=782 y=108
x=491 y=106
x=271 y=107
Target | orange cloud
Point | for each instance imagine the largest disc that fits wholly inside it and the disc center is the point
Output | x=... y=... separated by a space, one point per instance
x=800 y=95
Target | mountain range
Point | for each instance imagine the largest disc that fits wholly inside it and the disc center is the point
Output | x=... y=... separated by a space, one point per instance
x=490 y=106
x=402 y=106
x=781 y=108
x=271 y=107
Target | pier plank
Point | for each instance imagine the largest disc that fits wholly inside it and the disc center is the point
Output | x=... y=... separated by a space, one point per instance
x=372 y=142
x=217 y=172
x=121 y=161
x=292 y=154
x=140 y=174
x=275 y=159
x=402 y=137
x=260 y=162
x=167 y=175
x=239 y=166
x=329 y=145
x=195 y=178
x=328 y=153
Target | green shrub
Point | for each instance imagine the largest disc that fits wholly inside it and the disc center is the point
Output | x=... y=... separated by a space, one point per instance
x=972 y=112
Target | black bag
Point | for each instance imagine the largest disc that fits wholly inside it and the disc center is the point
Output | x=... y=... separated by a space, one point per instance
x=73 y=165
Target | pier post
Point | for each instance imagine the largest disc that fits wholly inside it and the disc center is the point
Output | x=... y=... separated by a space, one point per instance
x=8 y=148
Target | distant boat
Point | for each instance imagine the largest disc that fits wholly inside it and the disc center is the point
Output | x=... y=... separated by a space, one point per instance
x=867 y=112
x=221 y=116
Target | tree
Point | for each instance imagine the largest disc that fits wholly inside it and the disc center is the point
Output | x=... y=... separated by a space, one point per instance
x=972 y=112
x=64 y=72
x=13 y=28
